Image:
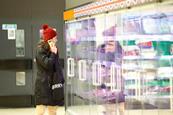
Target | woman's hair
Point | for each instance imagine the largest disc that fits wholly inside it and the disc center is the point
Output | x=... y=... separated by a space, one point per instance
x=43 y=44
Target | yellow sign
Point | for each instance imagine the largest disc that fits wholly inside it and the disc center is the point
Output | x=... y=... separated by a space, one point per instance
x=68 y=15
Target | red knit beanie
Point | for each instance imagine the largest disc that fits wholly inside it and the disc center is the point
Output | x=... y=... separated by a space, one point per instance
x=48 y=32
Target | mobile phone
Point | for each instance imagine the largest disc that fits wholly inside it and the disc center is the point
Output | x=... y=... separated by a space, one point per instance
x=51 y=43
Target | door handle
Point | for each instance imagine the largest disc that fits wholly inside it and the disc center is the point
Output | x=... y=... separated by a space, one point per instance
x=70 y=67
x=82 y=70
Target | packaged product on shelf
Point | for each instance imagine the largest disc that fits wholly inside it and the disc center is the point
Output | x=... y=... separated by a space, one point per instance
x=155 y=24
x=110 y=26
x=131 y=23
x=110 y=31
x=165 y=62
x=170 y=21
x=147 y=48
x=71 y=32
x=171 y=49
x=130 y=48
x=149 y=75
x=158 y=87
x=87 y=29
x=164 y=48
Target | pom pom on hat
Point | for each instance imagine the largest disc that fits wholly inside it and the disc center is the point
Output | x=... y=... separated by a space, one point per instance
x=48 y=32
x=45 y=26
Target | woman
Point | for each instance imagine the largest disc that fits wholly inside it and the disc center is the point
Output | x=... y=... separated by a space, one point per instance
x=48 y=66
x=108 y=53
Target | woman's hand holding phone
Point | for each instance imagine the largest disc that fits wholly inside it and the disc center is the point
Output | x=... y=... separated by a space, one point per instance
x=53 y=47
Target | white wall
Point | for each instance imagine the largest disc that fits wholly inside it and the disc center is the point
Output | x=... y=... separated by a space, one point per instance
x=75 y=3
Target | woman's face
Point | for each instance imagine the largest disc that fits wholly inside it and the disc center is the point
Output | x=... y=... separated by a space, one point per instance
x=55 y=39
x=110 y=46
x=52 y=42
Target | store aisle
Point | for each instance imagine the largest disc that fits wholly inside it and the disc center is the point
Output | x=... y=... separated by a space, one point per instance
x=25 y=111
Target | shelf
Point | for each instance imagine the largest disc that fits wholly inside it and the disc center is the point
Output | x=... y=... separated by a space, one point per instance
x=165 y=76
x=131 y=57
x=139 y=69
x=146 y=78
x=166 y=37
x=147 y=57
x=130 y=87
x=156 y=96
x=127 y=67
x=131 y=97
x=148 y=96
x=141 y=57
x=166 y=57
x=130 y=77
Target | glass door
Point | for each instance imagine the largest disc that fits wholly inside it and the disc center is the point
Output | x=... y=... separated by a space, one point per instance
x=109 y=57
x=147 y=61
x=129 y=30
x=120 y=63
x=81 y=48
x=72 y=67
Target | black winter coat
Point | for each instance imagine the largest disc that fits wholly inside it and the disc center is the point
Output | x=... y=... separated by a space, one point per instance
x=46 y=67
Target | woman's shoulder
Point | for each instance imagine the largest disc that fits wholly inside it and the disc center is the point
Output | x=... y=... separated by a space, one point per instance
x=41 y=50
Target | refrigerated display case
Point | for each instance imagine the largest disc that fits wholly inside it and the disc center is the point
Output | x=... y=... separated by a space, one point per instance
x=121 y=62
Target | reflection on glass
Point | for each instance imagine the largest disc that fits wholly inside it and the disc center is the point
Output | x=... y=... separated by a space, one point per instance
x=20 y=43
x=122 y=75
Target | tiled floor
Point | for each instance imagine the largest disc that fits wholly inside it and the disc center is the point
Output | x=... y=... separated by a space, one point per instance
x=98 y=110
x=81 y=111
x=25 y=111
